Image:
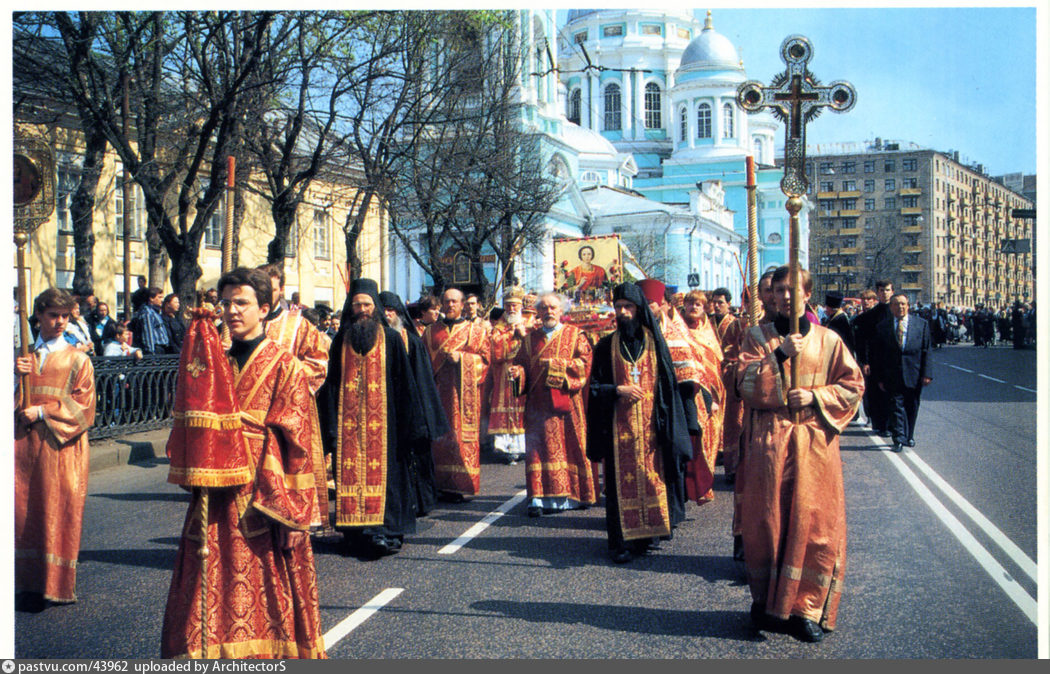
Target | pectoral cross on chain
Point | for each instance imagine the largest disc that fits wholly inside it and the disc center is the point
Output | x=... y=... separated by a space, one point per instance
x=795 y=97
x=635 y=374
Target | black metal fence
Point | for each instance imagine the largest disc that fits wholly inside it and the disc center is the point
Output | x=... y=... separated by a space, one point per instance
x=133 y=395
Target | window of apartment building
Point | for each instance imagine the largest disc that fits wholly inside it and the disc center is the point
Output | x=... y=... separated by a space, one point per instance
x=214 y=227
x=890 y=202
x=849 y=167
x=727 y=121
x=909 y=201
x=869 y=185
x=291 y=244
x=849 y=185
x=118 y=193
x=826 y=168
x=890 y=185
x=652 y=29
x=909 y=164
x=612 y=31
x=890 y=166
x=909 y=182
x=827 y=185
x=849 y=223
x=652 y=106
x=703 y=121
x=322 y=235
x=869 y=204
x=68 y=179
x=575 y=99
x=612 y=107
x=848 y=204
x=869 y=166
x=827 y=204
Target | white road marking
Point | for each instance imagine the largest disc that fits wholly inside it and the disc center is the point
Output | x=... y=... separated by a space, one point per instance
x=354 y=620
x=1015 y=553
x=1013 y=589
x=991 y=378
x=963 y=369
x=1030 y=390
x=483 y=524
x=959 y=368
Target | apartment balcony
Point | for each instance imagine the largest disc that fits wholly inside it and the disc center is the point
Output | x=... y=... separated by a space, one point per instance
x=912 y=267
x=911 y=249
x=854 y=231
x=914 y=210
x=910 y=191
x=912 y=229
x=852 y=194
x=912 y=285
x=850 y=250
x=827 y=195
x=853 y=213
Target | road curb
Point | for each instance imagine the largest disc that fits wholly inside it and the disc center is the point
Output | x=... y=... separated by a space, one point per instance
x=127 y=449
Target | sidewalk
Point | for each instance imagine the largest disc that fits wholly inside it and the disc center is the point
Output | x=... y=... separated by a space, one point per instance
x=125 y=449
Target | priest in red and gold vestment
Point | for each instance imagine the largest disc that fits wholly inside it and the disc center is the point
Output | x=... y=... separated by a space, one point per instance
x=793 y=510
x=288 y=329
x=459 y=352
x=253 y=593
x=51 y=458
x=506 y=400
x=636 y=425
x=370 y=413
x=729 y=331
x=556 y=361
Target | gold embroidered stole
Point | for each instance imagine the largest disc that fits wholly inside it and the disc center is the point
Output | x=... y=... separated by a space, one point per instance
x=640 y=487
x=361 y=446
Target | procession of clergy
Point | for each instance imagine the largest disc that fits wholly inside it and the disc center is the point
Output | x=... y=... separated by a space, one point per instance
x=270 y=419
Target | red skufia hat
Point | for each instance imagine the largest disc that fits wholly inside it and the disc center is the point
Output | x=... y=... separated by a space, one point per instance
x=206 y=448
x=653 y=289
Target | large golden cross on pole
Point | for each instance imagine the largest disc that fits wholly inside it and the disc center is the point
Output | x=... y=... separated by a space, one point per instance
x=795 y=97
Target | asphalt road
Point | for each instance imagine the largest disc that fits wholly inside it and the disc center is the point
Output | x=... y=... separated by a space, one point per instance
x=923 y=580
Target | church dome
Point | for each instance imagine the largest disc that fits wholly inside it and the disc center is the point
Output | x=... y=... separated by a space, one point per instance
x=710 y=49
x=577 y=13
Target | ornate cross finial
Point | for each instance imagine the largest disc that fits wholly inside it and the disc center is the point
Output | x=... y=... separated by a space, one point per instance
x=795 y=97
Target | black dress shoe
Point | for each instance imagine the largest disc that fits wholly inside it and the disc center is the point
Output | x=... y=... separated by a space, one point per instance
x=622 y=556
x=738 y=548
x=535 y=511
x=909 y=443
x=730 y=478
x=762 y=620
x=452 y=497
x=897 y=447
x=30 y=602
x=885 y=434
x=805 y=629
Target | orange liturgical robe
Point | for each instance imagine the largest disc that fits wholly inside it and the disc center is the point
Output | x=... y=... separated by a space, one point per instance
x=260 y=599
x=707 y=354
x=793 y=510
x=299 y=337
x=506 y=410
x=556 y=463
x=729 y=332
x=51 y=471
x=457 y=455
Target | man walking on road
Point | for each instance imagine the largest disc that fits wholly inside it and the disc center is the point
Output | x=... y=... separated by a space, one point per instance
x=793 y=506
x=900 y=367
x=864 y=325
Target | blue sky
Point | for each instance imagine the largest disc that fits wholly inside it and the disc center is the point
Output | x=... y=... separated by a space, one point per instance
x=948 y=78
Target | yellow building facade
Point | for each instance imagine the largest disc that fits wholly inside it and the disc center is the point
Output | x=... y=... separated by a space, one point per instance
x=315 y=261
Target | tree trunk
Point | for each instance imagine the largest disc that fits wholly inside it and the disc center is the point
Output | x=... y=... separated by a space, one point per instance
x=157 y=256
x=283 y=215
x=184 y=275
x=81 y=212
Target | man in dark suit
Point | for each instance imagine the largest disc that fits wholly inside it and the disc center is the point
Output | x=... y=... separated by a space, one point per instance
x=864 y=326
x=900 y=366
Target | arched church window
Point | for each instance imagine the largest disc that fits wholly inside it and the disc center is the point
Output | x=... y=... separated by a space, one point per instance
x=727 y=120
x=703 y=121
x=757 y=145
x=683 y=121
x=612 y=107
x=652 y=106
x=574 y=106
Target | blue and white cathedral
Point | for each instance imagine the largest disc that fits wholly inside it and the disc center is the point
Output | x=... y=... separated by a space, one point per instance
x=642 y=126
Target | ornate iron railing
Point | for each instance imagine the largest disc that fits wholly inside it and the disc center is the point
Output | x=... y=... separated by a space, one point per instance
x=133 y=395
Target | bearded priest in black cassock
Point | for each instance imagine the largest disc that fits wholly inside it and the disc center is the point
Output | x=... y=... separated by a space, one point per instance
x=370 y=423
x=636 y=424
x=421 y=464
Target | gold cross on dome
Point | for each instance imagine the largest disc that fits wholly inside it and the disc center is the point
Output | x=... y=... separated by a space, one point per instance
x=795 y=97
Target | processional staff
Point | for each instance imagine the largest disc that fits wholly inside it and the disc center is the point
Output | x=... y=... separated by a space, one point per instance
x=795 y=97
x=34 y=197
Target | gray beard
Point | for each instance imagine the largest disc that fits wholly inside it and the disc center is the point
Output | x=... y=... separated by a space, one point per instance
x=512 y=319
x=395 y=322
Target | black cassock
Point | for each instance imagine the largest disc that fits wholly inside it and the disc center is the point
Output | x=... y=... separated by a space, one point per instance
x=404 y=428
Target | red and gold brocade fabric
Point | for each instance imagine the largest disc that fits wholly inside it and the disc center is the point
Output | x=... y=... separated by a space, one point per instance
x=506 y=410
x=51 y=472
x=360 y=462
x=261 y=598
x=707 y=358
x=556 y=463
x=793 y=510
x=457 y=455
x=309 y=346
x=638 y=462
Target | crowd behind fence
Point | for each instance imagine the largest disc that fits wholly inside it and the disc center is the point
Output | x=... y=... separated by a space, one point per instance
x=133 y=395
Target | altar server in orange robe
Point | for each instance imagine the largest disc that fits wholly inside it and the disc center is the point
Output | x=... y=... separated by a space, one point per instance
x=793 y=510
x=286 y=327
x=507 y=401
x=260 y=584
x=51 y=458
x=556 y=361
x=459 y=351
